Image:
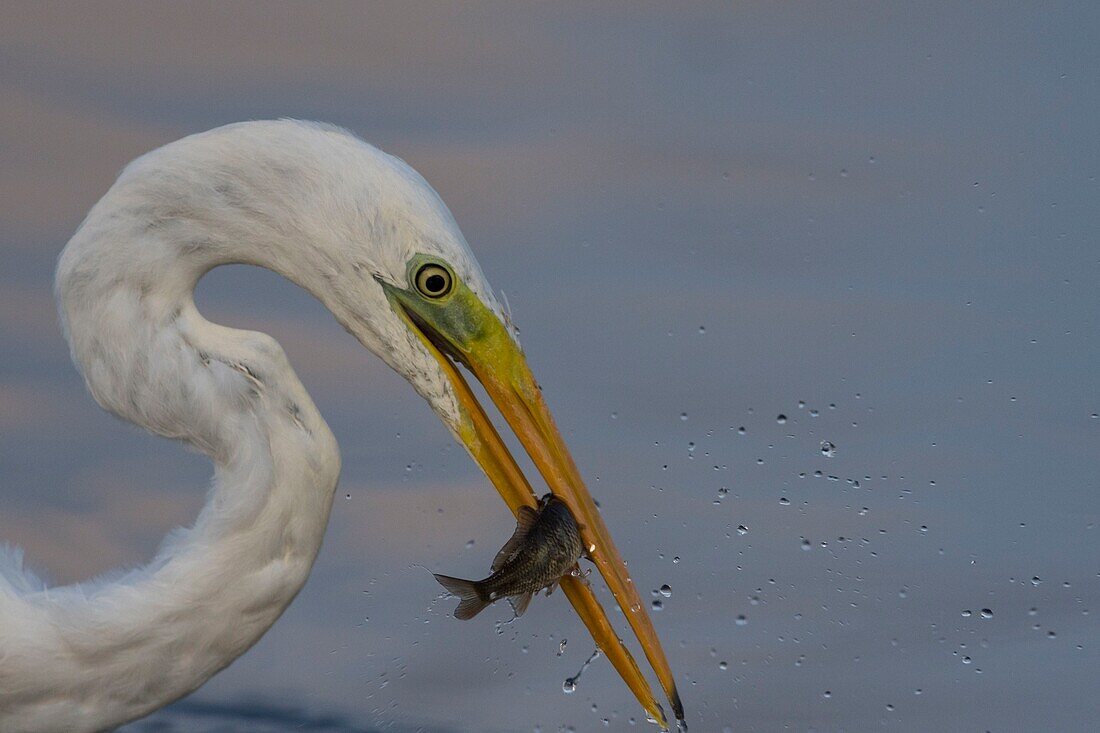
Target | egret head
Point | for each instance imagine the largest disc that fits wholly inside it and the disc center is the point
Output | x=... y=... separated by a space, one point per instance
x=440 y=317
x=457 y=326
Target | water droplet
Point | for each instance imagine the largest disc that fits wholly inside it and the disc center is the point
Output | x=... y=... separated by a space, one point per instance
x=827 y=694
x=570 y=684
x=723 y=665
x=702 y=329
x=676 y=560
x=561 y=646
x=683 y=417
x=469 y=544
x=742 y=530
x=781 y=419
x=741 y=430
x=966 y=614
x=806 y=546
x=1036 y=580
x=666 y=590
x=987 y=613
x=828 y=449
x=741 y=620
x=657 y=605
x=784 y=501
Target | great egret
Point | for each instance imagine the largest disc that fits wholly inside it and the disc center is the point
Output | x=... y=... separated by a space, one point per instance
x=368 y=237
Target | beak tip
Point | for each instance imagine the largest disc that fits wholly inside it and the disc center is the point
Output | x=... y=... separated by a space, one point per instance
x=677 y=706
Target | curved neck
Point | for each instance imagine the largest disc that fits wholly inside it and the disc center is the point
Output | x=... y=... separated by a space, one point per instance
x=121 y=649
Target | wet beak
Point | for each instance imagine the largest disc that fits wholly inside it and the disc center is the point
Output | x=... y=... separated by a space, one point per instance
x=467 y=332
x=517 y=396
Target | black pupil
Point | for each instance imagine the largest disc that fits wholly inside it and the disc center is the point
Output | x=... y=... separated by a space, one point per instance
x=435 y=283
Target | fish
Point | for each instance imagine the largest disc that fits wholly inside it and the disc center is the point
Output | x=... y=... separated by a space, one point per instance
x=545 y=546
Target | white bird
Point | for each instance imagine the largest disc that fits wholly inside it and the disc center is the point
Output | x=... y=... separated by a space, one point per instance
x=369 y=238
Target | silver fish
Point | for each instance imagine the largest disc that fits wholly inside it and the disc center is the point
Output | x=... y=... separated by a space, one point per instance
x=545 y=546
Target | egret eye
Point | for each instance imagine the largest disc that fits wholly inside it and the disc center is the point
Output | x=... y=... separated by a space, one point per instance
x=433 y=281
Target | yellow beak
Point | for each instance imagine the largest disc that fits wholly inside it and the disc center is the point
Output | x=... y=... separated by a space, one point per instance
x=459 y=330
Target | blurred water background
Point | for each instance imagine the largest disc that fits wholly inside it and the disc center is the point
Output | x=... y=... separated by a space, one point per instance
x=812 y=290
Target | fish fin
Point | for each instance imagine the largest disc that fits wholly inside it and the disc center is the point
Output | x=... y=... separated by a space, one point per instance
x=520 y=603
x=472 y=602
x=550 y=588
x=524 y=522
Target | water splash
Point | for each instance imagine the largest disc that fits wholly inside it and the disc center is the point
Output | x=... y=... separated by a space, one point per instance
x=570 y=684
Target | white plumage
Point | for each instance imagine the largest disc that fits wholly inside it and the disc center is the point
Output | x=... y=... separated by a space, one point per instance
x=328 y=212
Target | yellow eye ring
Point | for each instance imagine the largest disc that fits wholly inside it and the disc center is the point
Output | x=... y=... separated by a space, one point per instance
x=434 y=281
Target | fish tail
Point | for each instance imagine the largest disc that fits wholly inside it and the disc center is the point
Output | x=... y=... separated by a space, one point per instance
x=472 y=602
